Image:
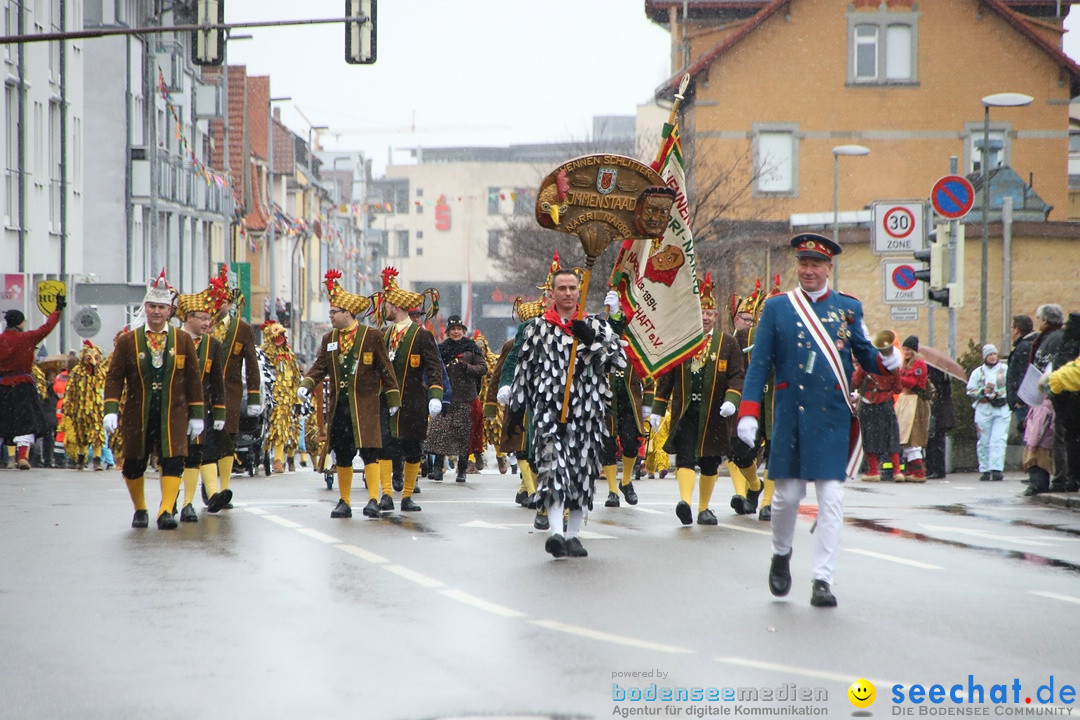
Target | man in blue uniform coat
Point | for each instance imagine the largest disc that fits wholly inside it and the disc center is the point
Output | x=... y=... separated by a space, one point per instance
x=808 y=336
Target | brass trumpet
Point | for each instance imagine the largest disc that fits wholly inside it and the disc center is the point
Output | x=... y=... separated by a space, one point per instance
x=883 y=340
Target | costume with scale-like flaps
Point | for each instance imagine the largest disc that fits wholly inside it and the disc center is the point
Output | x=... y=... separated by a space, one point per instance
x=567 y=456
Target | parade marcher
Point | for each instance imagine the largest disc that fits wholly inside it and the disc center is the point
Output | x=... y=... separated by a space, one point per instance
x=418 y=371
x=158 y=367
x=353 y=360
x=450 y=432
x=703 y=392
x=491 y=426
x=1023 y=337
x=877 y=422
x=241 y=371
x=809 y=337
x=283 y=433
x=987 y=385
x=625 y=419
x=196 y=311
x=1065 y=397
x=744 y=477
x=84 y=406
x=21 y=418
x=566 y=454
x=913 y=410
x=942 y=420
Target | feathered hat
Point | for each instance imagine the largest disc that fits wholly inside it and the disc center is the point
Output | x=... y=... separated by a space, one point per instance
x=708 y=302
x=160 y=291
x=528 y=310
x=427 y=301
x=235 y=294
x=339 y=297
x=554 y=268
x=209 y=300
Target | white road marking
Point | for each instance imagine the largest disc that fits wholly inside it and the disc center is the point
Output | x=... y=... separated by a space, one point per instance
x=796 y=670
x=740 y=528
x=322 y=537
x=609 y=637
x=1056 y=596
x=648 y=510
x=362 y=554
x=895 y=559
x=481 y=604
x=418 y=578
x=282 y=521
x=255 y=511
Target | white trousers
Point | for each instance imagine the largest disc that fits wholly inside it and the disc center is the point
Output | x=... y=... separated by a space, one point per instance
x=788 y=493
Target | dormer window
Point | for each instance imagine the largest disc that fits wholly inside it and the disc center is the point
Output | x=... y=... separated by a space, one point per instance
x=883 y=46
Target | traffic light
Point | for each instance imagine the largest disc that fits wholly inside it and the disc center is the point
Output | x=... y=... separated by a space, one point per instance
x=941 y=290
x=360 y=39
x=208 y=46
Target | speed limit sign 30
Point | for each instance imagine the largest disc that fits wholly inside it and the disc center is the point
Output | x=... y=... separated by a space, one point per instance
x=899 y=227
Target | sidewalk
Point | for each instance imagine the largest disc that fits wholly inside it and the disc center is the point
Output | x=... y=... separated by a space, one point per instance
x=1069 y=501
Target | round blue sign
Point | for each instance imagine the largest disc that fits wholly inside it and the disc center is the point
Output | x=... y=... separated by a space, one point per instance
x=903 y=277
x=952 y=196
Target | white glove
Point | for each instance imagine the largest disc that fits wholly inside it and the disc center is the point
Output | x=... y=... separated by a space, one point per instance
x=503 y=395
x=747 y=430
x=111 y=421
x=727 y=410
x=655 y=421
x=195 y=428
x=611 y=300
x=253 y=410
x=219 y=425
x=393 y=410
x=303 y=392
x=891 y=361
x=434 y=407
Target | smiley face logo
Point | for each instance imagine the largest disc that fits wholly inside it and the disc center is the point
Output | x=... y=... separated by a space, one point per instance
x=862 y=693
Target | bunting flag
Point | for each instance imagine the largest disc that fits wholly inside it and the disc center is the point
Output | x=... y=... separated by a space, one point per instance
x=657 y=280
x=208 y=176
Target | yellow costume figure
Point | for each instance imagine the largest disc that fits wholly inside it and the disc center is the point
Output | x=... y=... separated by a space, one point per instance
x=84 y=407
x=492 y=425
x=657 y=460
x=284 y=431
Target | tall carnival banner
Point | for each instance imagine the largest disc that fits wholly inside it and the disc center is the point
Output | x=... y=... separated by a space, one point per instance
x=657 y=279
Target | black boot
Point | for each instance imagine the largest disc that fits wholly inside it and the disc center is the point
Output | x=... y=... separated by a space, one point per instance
x=1038 y=481
x=462 y=462
x=437 y=468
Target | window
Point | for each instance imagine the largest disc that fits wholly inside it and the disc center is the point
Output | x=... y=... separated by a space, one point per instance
x=774 y=160
x=494 y=243
x=9 y=28
x=419 y=192
x=493 y=201
x=419 y=234
x=55 y=166
x=11 y=159
x=403 y=243
x=882 y=47
x=524 y=201
x=419 y=251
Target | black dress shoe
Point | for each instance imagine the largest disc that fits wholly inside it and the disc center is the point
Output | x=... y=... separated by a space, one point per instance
x=521 y=497
x=706 y=517
x=682 y=511
x=1033 y=489
x=531 y=502
x=541 y=521
x=750 y=505
x=629 y=493
x=371 y=510
x=386 y=503
x=738 y=504
x=187 y=514
x=140 y=519
x=780 y=575
x=996 y=476
x=574 y=548
x=821 y=595
x=407 y=505
x=342 y=510
x=398 y=484
x=556 y=545
x=765 y=513
x=227 y=506
x=612 y=500
x=460 y=476
x=218 y=501
x=166 y=521
x=985 y=477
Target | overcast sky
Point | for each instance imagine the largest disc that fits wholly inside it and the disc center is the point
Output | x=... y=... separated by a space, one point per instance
x=463 y=72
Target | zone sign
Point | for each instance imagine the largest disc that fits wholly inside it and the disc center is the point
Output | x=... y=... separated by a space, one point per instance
x=899 y=227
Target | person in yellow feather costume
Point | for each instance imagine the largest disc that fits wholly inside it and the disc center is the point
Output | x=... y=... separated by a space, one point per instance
x=84 y=408
x=283 y=434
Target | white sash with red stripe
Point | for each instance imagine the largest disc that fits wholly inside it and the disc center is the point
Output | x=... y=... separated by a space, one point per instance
x=828 y=351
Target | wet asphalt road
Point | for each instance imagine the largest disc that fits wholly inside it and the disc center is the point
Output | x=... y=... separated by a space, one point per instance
x=273 y=610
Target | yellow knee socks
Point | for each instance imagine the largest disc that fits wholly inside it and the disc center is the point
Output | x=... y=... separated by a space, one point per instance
x=224 y=466
x=344 y=479
x=609 y=473
x=528 y=477
x=170 y=486
x=410 y=473
x=209 y=473
x=737 y=479
x=372 y=475
x=628 y=470
x=279 y=452
x=766 y=498
x=685 y=478
x=386 y=474
x=750 y=475
x=705 y=488
x=137 y=491
x=191 y=484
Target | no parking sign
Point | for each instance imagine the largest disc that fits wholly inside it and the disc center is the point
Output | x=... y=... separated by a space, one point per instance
x=899 y=285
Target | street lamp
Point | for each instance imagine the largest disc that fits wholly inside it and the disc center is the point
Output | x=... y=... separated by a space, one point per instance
x=996 y=100
x=270 y=196
x=837 y=152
